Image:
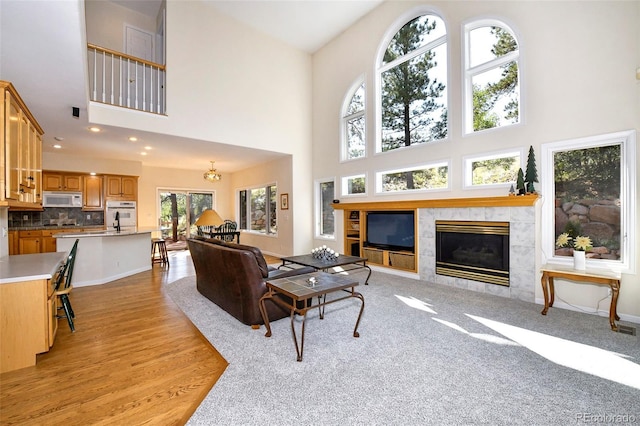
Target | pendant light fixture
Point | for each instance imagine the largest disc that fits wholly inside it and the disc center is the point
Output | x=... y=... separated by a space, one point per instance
x=212 y=174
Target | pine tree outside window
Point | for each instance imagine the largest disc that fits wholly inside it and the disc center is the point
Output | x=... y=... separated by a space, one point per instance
x=353 y=123
x=492 y=80
x=412 y=85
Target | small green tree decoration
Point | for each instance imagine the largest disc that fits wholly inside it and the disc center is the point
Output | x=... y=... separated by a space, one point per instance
x=520 y=182
x=532 y=174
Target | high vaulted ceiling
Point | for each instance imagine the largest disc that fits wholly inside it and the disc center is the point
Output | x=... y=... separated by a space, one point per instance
x=46 y=70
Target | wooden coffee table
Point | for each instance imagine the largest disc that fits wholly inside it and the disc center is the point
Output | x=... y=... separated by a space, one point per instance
x=305 y=288
x=353 y=262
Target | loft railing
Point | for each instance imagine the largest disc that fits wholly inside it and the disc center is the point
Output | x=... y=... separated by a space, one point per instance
x=126 y=81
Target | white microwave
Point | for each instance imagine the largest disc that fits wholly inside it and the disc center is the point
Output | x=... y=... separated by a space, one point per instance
x=61 y=199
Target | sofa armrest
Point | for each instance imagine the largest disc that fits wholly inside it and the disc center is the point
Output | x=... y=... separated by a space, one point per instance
x=283 y=273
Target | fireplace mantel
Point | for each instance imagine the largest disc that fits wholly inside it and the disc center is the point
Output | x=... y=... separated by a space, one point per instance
x=503 y=201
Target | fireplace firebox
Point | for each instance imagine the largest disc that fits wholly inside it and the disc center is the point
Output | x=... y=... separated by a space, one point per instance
x=473 y=250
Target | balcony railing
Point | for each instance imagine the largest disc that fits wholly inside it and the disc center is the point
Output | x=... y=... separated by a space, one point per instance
x=126 y=81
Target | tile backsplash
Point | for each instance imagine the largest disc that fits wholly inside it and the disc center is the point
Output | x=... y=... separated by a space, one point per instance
x=55 y=216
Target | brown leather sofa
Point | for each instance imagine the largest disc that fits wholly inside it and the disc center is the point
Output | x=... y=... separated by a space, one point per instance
x=233 y=277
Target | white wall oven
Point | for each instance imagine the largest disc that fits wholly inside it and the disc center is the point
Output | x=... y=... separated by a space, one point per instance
x=123 y=213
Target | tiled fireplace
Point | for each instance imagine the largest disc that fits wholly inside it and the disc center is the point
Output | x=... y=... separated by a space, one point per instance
x=522 y=241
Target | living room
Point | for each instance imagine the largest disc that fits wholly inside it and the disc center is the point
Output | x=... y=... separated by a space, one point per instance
x=553 y=109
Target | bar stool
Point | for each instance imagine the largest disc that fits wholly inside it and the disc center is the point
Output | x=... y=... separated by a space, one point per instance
x=159 y=252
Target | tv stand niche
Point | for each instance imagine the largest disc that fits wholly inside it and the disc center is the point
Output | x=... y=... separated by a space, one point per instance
x=355 y=226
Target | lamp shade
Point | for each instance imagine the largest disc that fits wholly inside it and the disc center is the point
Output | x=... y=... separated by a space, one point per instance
x=209 y=218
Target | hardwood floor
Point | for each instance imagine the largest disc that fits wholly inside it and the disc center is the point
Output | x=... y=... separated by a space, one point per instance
x=135 y=358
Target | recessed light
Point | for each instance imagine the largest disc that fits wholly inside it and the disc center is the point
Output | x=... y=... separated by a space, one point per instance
x=133 y=139
x=143 y=153
x=147 y=147
x=56 y=146
x=92 y=173
x=58 y=138
x=94 y=129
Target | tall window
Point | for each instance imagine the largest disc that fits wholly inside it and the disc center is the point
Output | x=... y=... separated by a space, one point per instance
x=257 y=209
x=413 y=85
x=325 y=222
x=591 y=187
x=492 y=84
x=353 y=123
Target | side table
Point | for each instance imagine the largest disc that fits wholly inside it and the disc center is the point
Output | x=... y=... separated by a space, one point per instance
x=549 y=272
x=305 y=287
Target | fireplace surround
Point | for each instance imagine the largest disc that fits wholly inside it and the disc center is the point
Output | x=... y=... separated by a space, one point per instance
x=475 y=250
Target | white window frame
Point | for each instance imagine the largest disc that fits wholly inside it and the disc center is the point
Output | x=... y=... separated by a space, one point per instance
x=347 y=118
x=381 y=68
x=629 y=240
x=467 y=167
x=431 y=165
x=469 y=73
x=318 y=209
x=344 y=185
x=267 y=231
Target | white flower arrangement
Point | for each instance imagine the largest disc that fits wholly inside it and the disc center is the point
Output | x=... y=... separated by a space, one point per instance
x=324 y=253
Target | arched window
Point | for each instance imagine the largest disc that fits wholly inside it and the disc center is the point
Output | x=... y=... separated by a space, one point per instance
x=412 y=78
x=353 y=124
x=492 y=80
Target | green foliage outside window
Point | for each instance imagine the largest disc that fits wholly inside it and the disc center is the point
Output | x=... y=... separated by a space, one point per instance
x=413 y=99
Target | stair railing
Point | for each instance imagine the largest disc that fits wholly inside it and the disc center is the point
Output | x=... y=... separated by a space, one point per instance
x=126 y=81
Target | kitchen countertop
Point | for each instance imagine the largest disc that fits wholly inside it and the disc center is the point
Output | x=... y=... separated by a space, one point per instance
x=28 y=267
x=54 y=228
x=102 y=233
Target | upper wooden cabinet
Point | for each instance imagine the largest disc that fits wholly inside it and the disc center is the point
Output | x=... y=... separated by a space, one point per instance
x=92 y=193
x=123 y=188
x=56 y=181
x=20 y=152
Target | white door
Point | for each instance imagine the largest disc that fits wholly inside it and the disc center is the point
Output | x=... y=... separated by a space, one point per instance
x=138 y=44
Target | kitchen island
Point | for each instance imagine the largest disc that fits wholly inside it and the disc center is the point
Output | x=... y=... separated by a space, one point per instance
x=28 y=322
x=105 y=256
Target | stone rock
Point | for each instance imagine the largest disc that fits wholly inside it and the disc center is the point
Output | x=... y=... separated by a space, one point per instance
x=607 y=214
x=567 y=206
x=600 y=250
x=579 y=209
x=564 y=251
x=592 y=255
x=561 y=221
x=597 y=230
x=609 y=256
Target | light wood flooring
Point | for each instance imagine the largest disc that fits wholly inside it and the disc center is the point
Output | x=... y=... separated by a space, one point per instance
x=135 y=358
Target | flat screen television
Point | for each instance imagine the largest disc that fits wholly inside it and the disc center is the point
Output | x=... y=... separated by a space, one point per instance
x=391 y=230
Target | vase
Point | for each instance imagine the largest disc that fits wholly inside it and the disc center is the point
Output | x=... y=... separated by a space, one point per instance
x=579 y=260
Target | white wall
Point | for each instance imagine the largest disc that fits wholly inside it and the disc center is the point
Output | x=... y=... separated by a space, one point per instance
x=230 y=84
x=578 y=71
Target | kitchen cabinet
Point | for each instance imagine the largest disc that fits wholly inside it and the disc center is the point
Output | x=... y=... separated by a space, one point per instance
x=52 y=181
x=37 y=241
x=28 y=307
x=30 y=242
x=48 y=242
x=13 y=243
x=20 y=152
x=121 y=188
x=92 y=198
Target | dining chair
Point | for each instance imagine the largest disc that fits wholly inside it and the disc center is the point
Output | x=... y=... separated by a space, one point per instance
x=63 y=286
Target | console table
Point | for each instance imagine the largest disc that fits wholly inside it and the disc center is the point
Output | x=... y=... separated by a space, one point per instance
x=549 y=272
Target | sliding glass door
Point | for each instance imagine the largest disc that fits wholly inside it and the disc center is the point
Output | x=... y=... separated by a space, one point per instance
x=179 y=209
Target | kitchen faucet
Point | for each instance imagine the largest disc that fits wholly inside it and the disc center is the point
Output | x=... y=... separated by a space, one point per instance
x=117 y=224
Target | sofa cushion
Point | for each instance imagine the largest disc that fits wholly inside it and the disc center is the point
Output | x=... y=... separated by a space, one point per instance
x=262 y=264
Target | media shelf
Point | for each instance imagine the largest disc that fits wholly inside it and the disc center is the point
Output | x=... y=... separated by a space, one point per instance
x=354 y=244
